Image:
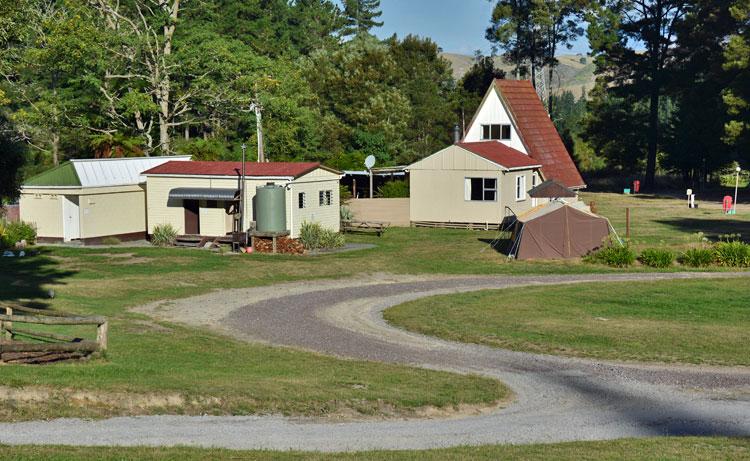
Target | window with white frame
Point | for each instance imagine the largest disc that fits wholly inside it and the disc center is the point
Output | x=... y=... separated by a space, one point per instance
x=301 y=200
x=520 y=187
x=480 y=189
x=496 y=131
x=325 y=197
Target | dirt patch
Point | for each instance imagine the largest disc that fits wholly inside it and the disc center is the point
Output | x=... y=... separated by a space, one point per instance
x=131 y=261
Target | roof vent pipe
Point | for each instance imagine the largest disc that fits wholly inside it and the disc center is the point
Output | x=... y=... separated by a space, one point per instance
x=456 y=134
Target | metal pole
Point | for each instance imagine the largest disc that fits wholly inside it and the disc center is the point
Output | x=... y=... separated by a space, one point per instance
x=370 y=171
x=242 y=193
x=736 y=186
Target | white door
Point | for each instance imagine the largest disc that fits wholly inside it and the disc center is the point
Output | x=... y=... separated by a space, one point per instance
x=71 y=218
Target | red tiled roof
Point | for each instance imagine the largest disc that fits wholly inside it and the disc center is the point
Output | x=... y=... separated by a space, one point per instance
x=499 y=153
x=286 y=169
x=538 y=132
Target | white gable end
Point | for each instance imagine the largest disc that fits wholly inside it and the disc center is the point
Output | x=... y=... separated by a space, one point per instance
x=491 y=112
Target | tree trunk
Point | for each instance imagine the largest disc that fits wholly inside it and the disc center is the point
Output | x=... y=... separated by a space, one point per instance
x=164 y=141
x=55 y=148
x=653 y=134
x=549 y=89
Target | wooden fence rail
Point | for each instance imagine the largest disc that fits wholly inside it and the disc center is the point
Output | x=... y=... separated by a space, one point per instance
x=51 y=346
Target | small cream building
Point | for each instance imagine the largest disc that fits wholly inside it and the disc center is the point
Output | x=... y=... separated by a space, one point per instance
x=200 y=198
x=480 y=183
x=89 y=199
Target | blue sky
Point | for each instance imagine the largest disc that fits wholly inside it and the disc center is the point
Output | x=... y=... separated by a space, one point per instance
x=456 y=25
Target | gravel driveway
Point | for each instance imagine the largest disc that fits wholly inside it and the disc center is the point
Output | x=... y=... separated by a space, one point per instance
x=557 y=399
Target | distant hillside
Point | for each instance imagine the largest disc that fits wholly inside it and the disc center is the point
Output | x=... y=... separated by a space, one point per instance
x=571 y=75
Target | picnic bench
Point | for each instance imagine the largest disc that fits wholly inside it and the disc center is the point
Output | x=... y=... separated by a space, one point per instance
x=377 y=227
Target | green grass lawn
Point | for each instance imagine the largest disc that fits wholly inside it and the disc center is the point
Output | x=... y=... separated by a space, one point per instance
x=702 y=321
x=216 y=375
x=663 y=449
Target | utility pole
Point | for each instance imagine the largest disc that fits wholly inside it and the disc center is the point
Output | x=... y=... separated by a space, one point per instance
x=257 y=108
x=242 y=191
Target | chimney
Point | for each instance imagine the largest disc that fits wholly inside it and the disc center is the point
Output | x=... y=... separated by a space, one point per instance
x=456 y=134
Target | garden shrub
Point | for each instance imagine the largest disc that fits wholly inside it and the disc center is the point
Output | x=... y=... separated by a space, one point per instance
x=656 y=257
x=315 y=237
x=732 y=252
x=394 y=189
x=698 y=257
x=164 y=235
x=613 y=254
x=13 y=232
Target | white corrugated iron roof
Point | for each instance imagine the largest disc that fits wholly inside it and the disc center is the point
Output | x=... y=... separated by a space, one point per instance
x=117 y=171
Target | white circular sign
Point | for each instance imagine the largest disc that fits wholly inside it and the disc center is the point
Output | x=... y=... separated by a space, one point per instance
x=370 y=161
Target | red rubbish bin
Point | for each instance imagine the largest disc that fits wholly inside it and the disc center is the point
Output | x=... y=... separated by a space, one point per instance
x=636 y=186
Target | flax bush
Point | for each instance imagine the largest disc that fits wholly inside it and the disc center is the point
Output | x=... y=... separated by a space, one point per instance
x=656 y=257
x=164 y=235
x=732 y=252
x=613 y=254
x=701 y=255
x=315 y=237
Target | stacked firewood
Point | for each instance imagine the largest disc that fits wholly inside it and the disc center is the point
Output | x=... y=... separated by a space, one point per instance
x=284 y=245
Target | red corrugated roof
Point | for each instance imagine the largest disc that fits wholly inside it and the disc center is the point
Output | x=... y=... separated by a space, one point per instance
x=538 y=132
x=268 y=169
x=499 y=153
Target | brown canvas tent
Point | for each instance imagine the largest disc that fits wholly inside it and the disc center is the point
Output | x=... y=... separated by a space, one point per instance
x=558 y=230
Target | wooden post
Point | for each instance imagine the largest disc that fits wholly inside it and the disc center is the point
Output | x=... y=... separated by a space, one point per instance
x=354 y=187
x=627 y=223
x=102 y=333
x=7 y=326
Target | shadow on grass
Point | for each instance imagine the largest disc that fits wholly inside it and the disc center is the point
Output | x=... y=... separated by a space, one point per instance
x=500 y=245
x=711 y=228
x=27 y=280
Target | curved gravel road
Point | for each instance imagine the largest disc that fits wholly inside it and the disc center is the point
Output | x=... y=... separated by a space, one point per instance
x=557 y=399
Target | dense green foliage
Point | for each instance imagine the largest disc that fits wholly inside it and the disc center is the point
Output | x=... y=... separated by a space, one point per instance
x=12 y=233
x=96 y=79
x=394 y=189
x=657 y=257
x=84 y=79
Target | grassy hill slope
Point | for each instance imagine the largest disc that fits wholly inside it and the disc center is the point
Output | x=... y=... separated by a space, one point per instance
x=571 y=75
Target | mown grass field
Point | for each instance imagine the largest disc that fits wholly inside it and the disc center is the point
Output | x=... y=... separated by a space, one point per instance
x=668 y=222
x=174 y=369
x=697 y=321
x=662 y=449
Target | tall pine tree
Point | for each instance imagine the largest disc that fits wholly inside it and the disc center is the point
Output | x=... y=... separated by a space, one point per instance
x=361 y=16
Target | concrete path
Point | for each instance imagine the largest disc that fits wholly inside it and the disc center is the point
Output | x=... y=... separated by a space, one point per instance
x=557 y=399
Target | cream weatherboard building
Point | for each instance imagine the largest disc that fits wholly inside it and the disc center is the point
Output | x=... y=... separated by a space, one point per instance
x=510 y=146
x=200 y=198
x=89 y=199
